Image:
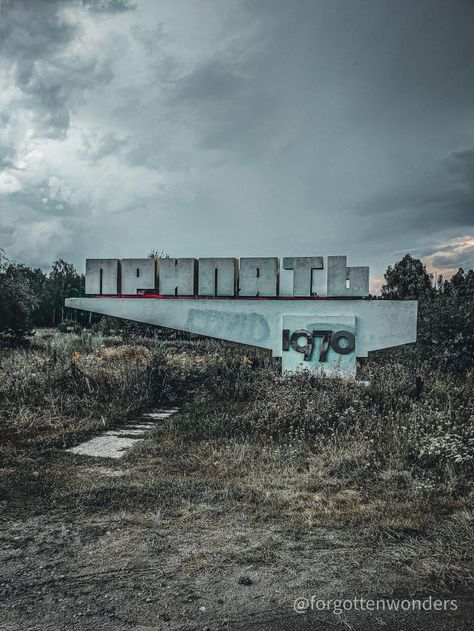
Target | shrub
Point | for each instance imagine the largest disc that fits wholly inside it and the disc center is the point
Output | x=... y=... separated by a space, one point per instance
x=445 y=312
x=70 y=326
x=16 y=306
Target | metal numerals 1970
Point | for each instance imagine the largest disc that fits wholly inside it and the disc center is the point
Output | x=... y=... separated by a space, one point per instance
x=329 y=339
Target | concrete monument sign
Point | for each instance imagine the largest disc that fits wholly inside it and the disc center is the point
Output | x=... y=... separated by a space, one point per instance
x=240 y=301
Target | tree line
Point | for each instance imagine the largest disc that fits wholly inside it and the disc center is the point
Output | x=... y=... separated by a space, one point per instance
x=31 y=298
x=445 y=335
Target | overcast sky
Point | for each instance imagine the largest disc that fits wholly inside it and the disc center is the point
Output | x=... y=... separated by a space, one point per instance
x=238 y=128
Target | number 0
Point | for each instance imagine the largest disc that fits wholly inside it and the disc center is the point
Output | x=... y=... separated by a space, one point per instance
x=335 y=342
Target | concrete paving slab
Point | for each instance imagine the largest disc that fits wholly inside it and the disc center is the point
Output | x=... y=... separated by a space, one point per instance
x=104 y=447
x=115 y=442
x=123 y=431
x=146 y=426
x=158 y=415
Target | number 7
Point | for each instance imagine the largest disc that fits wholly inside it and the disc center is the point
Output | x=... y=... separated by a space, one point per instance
x=326 y=335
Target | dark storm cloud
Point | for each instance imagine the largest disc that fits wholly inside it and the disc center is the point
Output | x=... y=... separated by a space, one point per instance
x=345 y=124
x=31 y=33
x=440 y=200
x=463 y=259
x=97 y=146
x=461 y=163
x=5 y=162
x=32 y=30
x=109 y=6
x=34 y=38
x=48 y=199
x=213 y=81
x=48 y=66
x=223 y=102
x=368 y=62
x=341 y=93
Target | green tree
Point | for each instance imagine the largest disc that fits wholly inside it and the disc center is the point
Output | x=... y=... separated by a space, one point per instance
x=16 y=304
x=461 y=285
x=445 y=332
x=407 y=279
x=446 y=323
x=157 y=254
x=35 y=278
x=63 y=282
x=3 y=260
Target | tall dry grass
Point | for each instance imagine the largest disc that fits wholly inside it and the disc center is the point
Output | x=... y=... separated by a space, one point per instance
x=305 y=450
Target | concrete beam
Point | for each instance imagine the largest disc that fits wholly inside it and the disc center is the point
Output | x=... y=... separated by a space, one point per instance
x=378 y=323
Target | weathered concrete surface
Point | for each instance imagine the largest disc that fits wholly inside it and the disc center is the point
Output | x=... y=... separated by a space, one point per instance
x=379 y=323
x=126 y=431
x=161 y=414
x=142 y=426
x=103 y=447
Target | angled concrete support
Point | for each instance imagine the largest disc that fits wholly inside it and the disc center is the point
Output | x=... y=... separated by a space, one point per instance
x=374 y=324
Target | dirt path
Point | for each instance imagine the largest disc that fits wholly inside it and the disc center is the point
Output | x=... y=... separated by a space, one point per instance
x=136 y=571
x=153 y=541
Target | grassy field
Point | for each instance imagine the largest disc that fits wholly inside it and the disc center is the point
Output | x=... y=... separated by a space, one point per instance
x=262 y=488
